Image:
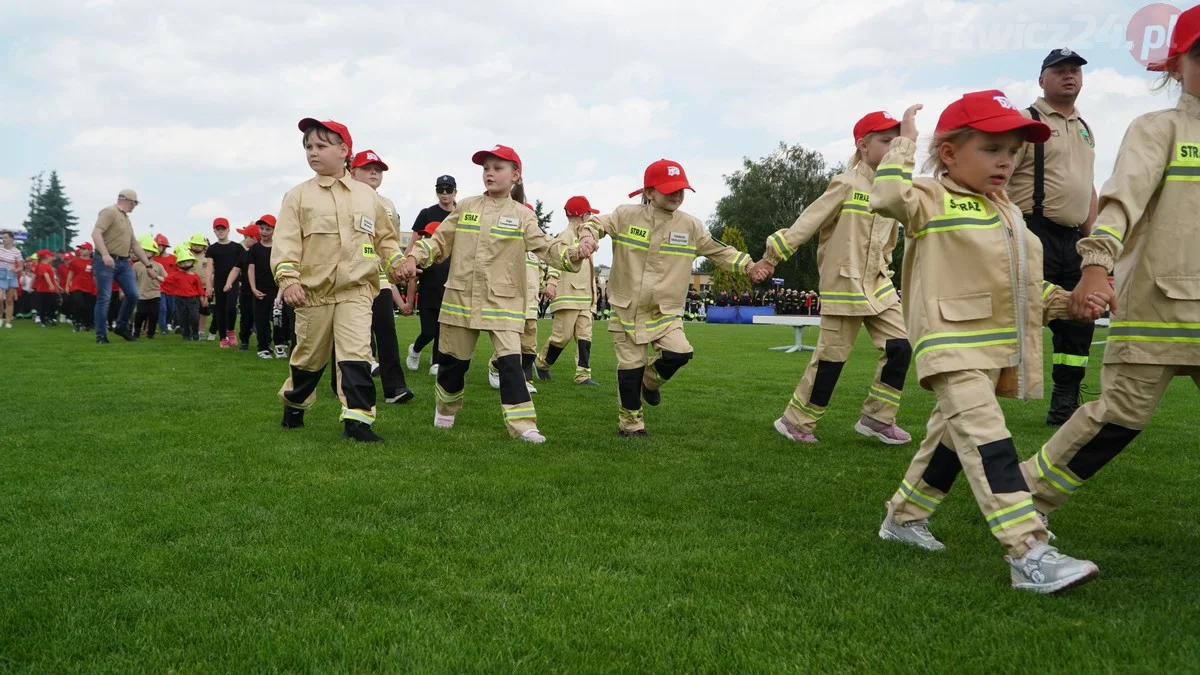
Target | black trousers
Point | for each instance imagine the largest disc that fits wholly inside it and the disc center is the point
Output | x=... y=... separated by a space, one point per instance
x=187 y=317
x=147 y=311
x=225 y=312
x=84 y=306
x=387 y=350
x=264 y=325
x=430 y=330
x=1061 y=265
x=246 y=304
x=47 y=306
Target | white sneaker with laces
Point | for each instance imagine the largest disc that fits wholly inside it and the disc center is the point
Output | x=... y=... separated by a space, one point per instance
x=281 y=352
x=264 y=354
x=374 y=368
x=212 y=337
x=914 y=533
x=529 y=386
x=433 y=370
x=414 y=359
x=532 y=436
x=493 y=378
x=1044 y=570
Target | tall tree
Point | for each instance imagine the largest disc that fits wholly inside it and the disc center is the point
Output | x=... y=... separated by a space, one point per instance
x=60 y=224
x=542 y=217
x=767 y=195
x=722 y=278
x=33 y=221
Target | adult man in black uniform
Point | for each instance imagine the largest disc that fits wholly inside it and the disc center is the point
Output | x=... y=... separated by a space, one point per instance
x=1053 y=185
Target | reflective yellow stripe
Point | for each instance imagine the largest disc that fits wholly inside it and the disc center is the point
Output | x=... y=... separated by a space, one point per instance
x=459 y=310
x=1106 y=231
x=1059 y=479
x=1012 y=515
x=969 y=339
x=446 y=397
x=811 y=412
x=284 y=267
x=357 y=416
x=1047 y=290
x=462 y=227
x=1152 y=331
x=884 y=395
x=1070 y=360
x=739 y=262
x=780 y=245
x=919 y=498
x=660 y=322
x=885 y=290
x=942 y=224
x=525 y=412
x=887 y=172
x=669 y=249
x=632 y=243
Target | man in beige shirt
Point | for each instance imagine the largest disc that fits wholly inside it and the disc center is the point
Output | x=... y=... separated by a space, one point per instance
x=113 y=238
x=1054 y=186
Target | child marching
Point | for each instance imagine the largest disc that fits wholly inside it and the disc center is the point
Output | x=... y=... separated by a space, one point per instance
x=572 y=295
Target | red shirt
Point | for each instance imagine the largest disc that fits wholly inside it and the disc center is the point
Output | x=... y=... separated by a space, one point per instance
x=40 y=272
x=185 y=284
x=62 y=274
x=81 y=276
x=167 y=261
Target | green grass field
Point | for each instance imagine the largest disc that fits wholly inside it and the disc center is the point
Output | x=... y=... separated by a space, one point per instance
x=153 y=517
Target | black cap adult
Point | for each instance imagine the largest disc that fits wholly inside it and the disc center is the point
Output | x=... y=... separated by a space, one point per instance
x=446 y=181
x=1063 y=55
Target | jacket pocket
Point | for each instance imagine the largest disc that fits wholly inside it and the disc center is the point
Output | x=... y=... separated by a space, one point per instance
x=1179 y=288
x=966 y=307
x=501 y=290
x=670 y=308
x=620 y=301
x=455 y=284
x=319 y=225
x=849 y=271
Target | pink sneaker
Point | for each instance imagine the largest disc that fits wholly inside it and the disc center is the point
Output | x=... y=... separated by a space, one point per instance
x=443 y=421
x=224 y=343
x=793 y=432
x=888 y=433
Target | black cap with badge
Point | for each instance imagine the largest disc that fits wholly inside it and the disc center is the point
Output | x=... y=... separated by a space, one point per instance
x=1062 y=56
x=446 y=181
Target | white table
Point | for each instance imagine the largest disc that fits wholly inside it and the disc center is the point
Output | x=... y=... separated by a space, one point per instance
x=796 y=322
x=1102 y=323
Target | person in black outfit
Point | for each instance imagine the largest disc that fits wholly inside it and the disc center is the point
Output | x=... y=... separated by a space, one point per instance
x=429 y=289
x=264 y=289
x=238 y=281
x=223 y=256
x=447 y=195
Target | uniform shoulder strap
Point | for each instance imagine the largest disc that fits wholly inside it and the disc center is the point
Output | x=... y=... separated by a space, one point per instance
x=1039 y=170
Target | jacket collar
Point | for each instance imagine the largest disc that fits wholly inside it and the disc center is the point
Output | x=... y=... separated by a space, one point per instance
x=863 y=169
x=1189 y=104
x=1044 y=107
x=328 y=181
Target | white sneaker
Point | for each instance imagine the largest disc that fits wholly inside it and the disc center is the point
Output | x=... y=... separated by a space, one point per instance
x=1044 y=570
x=443 y=421
x=493 y=378
x=532 y=436
x=529 y=385
x=281 y=352
x=433 y=370
x=374 y=368
x=212 y=337
x=8 y=324
x=264 y=354
x=914 y=533
x=37 y=319
x=414 y=359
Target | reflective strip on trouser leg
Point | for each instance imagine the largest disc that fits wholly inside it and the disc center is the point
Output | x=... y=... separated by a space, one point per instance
x=1097 y=432
x=978 y=434
x=357 y=389
x=930 y=475
x=629 y=398
x=664 y=368
x=887 y=333
x=1072 y=344
x=583 y=359
x=451 y=384
x=519 y=414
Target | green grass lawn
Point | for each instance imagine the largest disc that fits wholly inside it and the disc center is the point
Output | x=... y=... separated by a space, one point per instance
x=153 y=517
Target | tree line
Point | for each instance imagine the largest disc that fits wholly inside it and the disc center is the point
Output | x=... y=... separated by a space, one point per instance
x=50 y=223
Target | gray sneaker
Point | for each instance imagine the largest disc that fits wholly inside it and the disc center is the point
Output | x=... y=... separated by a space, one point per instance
x=914 y=533
x=1044 y=570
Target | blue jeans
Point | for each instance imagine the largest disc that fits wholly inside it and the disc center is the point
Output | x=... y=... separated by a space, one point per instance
x=166 y=311
x=122 y=271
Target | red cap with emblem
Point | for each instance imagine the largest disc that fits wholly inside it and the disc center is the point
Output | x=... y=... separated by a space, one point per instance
x=1185 y=35
x=367 y=157
x=665 y=176
x=501 y=151
x=990 y=111
x=872 y=122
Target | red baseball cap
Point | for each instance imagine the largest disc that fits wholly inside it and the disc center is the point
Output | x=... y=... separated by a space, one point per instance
x=88 y=245
x=431 y=227
x=161 y=239
x=665 y=176
x=990 y=111
x=578 y=206
x=251 y=230
x=1187 y=31
x=268 y=220
x=336 y=127
x=872 y=122
x=220 y=222
x=45 y=253
x=367 y=157
x=501 y=151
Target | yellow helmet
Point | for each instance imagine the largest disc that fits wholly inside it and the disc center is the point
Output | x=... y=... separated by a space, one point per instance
x=183 y=254
x=147 y=243
x=197 y=240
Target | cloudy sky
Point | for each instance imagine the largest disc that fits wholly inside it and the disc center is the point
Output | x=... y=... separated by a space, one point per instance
x=195 y=104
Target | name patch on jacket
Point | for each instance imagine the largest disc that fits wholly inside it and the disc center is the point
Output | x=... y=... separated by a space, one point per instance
x=860 y=197
x=368 y=251
x=509 y=223
x=679 y=238
x=366 y=224
x=1188 y=152
x=639 y=233
x=469 y=218
x=964 y=205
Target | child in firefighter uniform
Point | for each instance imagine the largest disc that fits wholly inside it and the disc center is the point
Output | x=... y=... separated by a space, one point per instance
x=654 y=245
x=535 y=272
x=1148 y=233
x=330 y=235
x=486 y=238
x=572 y=295
x=975 y=304
x=854 y=256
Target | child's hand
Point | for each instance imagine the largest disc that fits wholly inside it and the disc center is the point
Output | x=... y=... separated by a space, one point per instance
x=294 y=295
x=405 y=270
x=760 y=271
x=551 y=291
x=259 y=294
x=587 y=246
x=1093 y=283
x=908 y=125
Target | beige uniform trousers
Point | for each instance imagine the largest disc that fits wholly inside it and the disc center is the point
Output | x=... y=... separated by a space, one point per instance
x=459 y=343
x=342 y=329
x=834 y=345
x=967 y=434
x=631 y=355
x=569 y=324
x=1099 y=430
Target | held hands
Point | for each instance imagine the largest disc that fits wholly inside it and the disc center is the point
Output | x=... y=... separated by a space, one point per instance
x=405 y=270
x=1092 y=290
x=406 y=308
x=761 y=271
x=908 y=125
x=294 y=295
x=587 y=246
